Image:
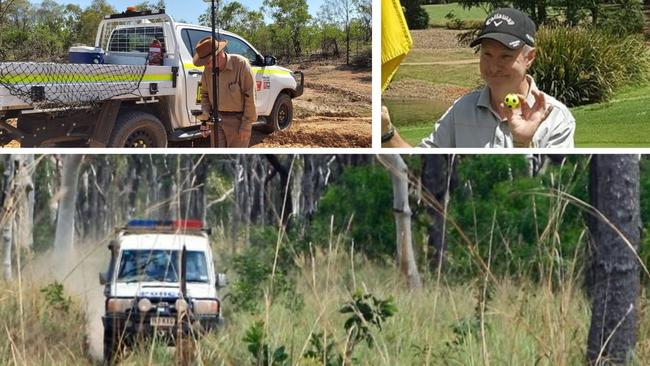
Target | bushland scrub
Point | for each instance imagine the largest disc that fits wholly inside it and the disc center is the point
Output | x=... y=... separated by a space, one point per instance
x=511 y=291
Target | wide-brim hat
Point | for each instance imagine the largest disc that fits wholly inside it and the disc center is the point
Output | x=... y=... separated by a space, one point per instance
x=508 y=26
x=203 y=51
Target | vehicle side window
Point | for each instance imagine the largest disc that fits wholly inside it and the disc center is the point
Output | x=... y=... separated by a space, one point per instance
x=238 y=47
x=191 y=38
x=135 y=39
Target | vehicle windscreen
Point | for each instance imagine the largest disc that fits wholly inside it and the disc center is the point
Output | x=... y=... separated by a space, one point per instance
x=161 y=266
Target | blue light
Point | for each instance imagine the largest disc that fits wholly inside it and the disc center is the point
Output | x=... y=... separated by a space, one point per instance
x=144 y=223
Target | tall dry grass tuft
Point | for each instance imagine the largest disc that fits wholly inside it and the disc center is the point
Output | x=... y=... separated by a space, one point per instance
x=54 y=334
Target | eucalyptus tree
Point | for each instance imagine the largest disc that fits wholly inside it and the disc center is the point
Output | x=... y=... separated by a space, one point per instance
x=614 y=283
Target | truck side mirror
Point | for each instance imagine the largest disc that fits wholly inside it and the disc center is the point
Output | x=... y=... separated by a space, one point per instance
x=103 y=278
x=259 y=60
x=270 y=61
x=222 y=280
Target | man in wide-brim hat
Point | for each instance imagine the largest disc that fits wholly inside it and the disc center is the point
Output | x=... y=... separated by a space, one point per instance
x=236 y=92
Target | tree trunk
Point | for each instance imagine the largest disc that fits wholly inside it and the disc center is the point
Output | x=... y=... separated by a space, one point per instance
x=18 y=208
x=192 y=182
x=64 y=236
x=399 y=175
x=7 y=218
x=285 y=189
x=24 y=203
x=614 y=272
x=237 y=170
x=437 y=173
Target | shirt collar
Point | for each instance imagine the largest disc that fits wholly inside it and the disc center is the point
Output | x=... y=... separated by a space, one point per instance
x=484 y=97
x=228 y=62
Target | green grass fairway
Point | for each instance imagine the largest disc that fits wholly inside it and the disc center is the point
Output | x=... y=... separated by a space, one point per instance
x=437 y=13
x=440 y=55
x=623 y=122
x=414 y=119
x=462 y=75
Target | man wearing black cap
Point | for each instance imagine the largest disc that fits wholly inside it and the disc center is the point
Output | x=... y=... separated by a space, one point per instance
x=480 y=118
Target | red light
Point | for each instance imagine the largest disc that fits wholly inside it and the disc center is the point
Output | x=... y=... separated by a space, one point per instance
x=187 y=224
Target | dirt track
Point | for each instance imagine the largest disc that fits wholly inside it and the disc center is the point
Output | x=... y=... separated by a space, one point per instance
x=334 y=111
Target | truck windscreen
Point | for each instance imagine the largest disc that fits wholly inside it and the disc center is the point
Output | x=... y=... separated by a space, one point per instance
x=161 y=266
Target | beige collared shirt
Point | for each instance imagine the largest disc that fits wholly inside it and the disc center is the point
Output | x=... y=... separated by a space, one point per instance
x=236 y=89
x=472 y=122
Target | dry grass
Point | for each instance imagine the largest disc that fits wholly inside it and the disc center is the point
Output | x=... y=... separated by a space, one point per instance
x=523 y=322
x=35 y=332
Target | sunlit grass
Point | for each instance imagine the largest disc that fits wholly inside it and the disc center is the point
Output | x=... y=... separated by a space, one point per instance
x=437 y=13
x=465 y=75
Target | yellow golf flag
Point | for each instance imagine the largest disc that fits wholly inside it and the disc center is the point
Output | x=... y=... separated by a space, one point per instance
x=396 y=39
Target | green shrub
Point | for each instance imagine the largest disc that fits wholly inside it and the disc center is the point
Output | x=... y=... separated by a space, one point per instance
x=253 y=269
x=502 y=205
x=582 y=66
x=626 y=17
x=453 y=21
x=365 y=193
x=416 y=16
x=261 y=352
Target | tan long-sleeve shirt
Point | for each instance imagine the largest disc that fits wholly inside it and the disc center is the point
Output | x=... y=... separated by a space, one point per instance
x=236 y=89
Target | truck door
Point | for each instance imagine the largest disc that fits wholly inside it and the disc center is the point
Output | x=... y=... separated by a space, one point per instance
x=262 y=81
x=191 y=38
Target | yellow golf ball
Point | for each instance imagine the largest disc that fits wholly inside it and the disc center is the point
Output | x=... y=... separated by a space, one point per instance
x=511 y=101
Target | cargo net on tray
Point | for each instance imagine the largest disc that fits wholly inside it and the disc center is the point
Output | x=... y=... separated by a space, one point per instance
x=45 y=85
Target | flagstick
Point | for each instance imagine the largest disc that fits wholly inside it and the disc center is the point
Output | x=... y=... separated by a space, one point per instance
x=215 y=86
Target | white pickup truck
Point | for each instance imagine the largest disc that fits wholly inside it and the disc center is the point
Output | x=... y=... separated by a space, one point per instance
x=157 y=103
x=160 y=281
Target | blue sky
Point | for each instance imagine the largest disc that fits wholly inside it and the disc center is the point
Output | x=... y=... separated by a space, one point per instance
x=188 y=10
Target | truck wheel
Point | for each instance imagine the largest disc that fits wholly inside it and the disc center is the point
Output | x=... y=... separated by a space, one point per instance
x=138 y=129
x=111 y=346
x=282 y=113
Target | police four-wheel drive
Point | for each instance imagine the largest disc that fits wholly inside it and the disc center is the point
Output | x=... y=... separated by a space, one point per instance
x=160 y=281
x=137 y=87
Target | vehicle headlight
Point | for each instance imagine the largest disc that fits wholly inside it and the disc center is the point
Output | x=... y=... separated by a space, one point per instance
x=181 y=305
x=144 y=305
x=206 y=306
x=118 y=305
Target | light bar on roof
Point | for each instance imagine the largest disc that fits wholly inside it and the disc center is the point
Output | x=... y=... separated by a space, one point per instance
x=187 y=224
x=165 y=224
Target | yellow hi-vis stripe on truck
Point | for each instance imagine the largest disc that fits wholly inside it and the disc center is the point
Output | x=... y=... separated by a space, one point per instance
x=78 y=78
x=256 y=69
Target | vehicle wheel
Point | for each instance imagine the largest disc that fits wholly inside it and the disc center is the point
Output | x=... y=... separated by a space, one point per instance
x=282 y=113
x=111 y=346
x=138 y=129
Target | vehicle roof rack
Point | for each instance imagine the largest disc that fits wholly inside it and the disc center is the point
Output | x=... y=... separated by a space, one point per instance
x=133 y=14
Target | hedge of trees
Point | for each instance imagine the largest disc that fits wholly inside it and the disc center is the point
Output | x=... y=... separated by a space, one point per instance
x=342 y=29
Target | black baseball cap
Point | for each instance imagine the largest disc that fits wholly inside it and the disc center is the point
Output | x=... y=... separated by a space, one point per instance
x=510 y=27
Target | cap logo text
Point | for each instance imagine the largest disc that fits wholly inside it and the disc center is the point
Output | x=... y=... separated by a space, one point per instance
x=496 y=17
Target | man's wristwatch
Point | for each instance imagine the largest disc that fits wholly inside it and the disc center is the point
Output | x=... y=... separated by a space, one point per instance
x=388 y=135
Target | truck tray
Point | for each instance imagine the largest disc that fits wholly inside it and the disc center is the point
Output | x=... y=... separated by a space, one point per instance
x=40 y=86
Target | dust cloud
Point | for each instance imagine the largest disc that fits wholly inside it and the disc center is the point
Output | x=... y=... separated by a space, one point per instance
x=78 y=272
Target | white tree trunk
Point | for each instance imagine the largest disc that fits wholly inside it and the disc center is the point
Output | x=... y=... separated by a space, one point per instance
x=24 y=216
x=7 y=240
x=64 y=237
x=399 y=175
x=7 y=218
